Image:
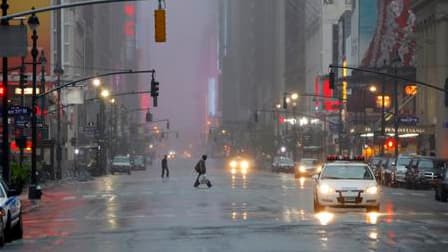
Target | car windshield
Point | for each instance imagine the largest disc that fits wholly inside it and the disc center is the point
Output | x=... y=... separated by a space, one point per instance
x=347 y=172
x=138 y=160
x=404 y=161
x=308 y=162
x=121 y=159
x=425 y=164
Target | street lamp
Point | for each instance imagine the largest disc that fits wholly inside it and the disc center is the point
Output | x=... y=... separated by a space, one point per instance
x=105 y=93
x=294 y=96
x=34 y=190
x=373 y=89
x=96 y=82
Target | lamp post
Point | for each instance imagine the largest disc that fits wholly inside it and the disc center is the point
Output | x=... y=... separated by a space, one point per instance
x=5 y=134
x=43 y=63
x=58 y=71
x=395 y=63
x=34 y=190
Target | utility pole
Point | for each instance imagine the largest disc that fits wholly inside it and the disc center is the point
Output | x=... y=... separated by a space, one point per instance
x=58 y=71
x=5 y=133
x=383 y=120
x=396 y=62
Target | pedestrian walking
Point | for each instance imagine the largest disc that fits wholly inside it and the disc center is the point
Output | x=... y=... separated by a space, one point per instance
x=165 y=167
x=201 y=169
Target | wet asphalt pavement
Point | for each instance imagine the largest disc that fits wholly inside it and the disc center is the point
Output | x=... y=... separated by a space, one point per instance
x=259 y=212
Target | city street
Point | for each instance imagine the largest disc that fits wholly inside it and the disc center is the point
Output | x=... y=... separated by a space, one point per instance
x=262 y=212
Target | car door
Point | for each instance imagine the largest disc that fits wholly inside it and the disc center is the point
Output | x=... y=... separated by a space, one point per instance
x=12 y=203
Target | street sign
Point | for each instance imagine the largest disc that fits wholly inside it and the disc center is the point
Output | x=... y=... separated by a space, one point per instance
x=409 y=120
x=19 y=111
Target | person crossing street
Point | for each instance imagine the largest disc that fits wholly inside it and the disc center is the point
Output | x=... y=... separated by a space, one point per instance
x=165 y=167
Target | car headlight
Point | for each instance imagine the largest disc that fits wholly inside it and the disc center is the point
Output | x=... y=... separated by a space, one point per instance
x=244 y=165
x=372 y=190
x=302 y=169
x=233 y=164
x=325 y=189
x=233 y=170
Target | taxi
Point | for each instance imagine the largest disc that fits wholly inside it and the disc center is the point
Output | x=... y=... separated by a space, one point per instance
x=239 y=165
x=346 y=183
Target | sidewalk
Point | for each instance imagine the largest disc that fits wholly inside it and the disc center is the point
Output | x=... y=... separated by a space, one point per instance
x=32 y=205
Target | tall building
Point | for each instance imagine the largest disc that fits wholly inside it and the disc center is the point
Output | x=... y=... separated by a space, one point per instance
x=261 y=55
x=432 y=67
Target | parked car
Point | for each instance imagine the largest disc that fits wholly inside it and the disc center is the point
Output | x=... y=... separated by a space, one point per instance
x=121 y=164
x=423 y=171
x=11 y=222
x=403 y=160
x=307 y=167
x=388 y=172
x=441 y=185
x=138 y=163
x=282 y=164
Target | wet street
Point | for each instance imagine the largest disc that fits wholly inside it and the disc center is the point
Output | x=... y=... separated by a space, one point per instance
x=259 y=212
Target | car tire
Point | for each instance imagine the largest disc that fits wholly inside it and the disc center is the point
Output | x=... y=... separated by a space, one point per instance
x=17 y=230
x=7 y=230
x=373 y=208
x=443 y=196
x=436 y=194
x=2 y=234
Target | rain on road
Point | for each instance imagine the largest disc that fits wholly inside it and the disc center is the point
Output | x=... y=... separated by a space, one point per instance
x=259 y=212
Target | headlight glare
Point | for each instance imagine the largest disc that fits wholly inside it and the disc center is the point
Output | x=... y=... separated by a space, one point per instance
x=233 y=164
x=244 y=164
x=325 y=189
x=302 y=169
x=372 y=190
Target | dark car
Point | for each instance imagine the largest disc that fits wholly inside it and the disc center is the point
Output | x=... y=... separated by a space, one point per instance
x=121 y=164
x=423 y=171
x=388 y=172
x=441 y=185
x=138 y=163
x=307 y=167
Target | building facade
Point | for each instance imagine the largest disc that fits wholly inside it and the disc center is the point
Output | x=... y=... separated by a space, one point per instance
x=432 y=67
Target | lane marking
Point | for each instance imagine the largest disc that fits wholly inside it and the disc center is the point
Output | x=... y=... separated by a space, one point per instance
x=69 y=198
x=418 y=194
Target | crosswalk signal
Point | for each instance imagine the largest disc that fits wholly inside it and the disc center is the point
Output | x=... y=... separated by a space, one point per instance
x=160 y=25
x=332 y=79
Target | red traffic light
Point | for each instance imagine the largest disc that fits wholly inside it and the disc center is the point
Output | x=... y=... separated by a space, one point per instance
x=2 y=90
x=390 y=143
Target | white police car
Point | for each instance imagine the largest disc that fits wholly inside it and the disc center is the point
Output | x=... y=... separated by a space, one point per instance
x=11 y=222
x=346 y=184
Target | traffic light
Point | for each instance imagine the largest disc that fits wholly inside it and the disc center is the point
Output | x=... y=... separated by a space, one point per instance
x=2 y=90
x=256 y=116
x=160 y=25
x=446 y=92
x=168 y=125
x=332 y=77
x=154 y=91
x=390 y=143
x=148 y=116
x=285 y=102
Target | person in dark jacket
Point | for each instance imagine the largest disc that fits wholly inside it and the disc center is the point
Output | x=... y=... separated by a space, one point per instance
x=165 y=167
x=201 y=169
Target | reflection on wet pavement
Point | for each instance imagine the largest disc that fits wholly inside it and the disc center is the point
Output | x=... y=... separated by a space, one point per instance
x=275 y=209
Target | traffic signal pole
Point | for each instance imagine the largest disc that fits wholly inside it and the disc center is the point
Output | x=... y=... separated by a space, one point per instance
x=5 y=133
